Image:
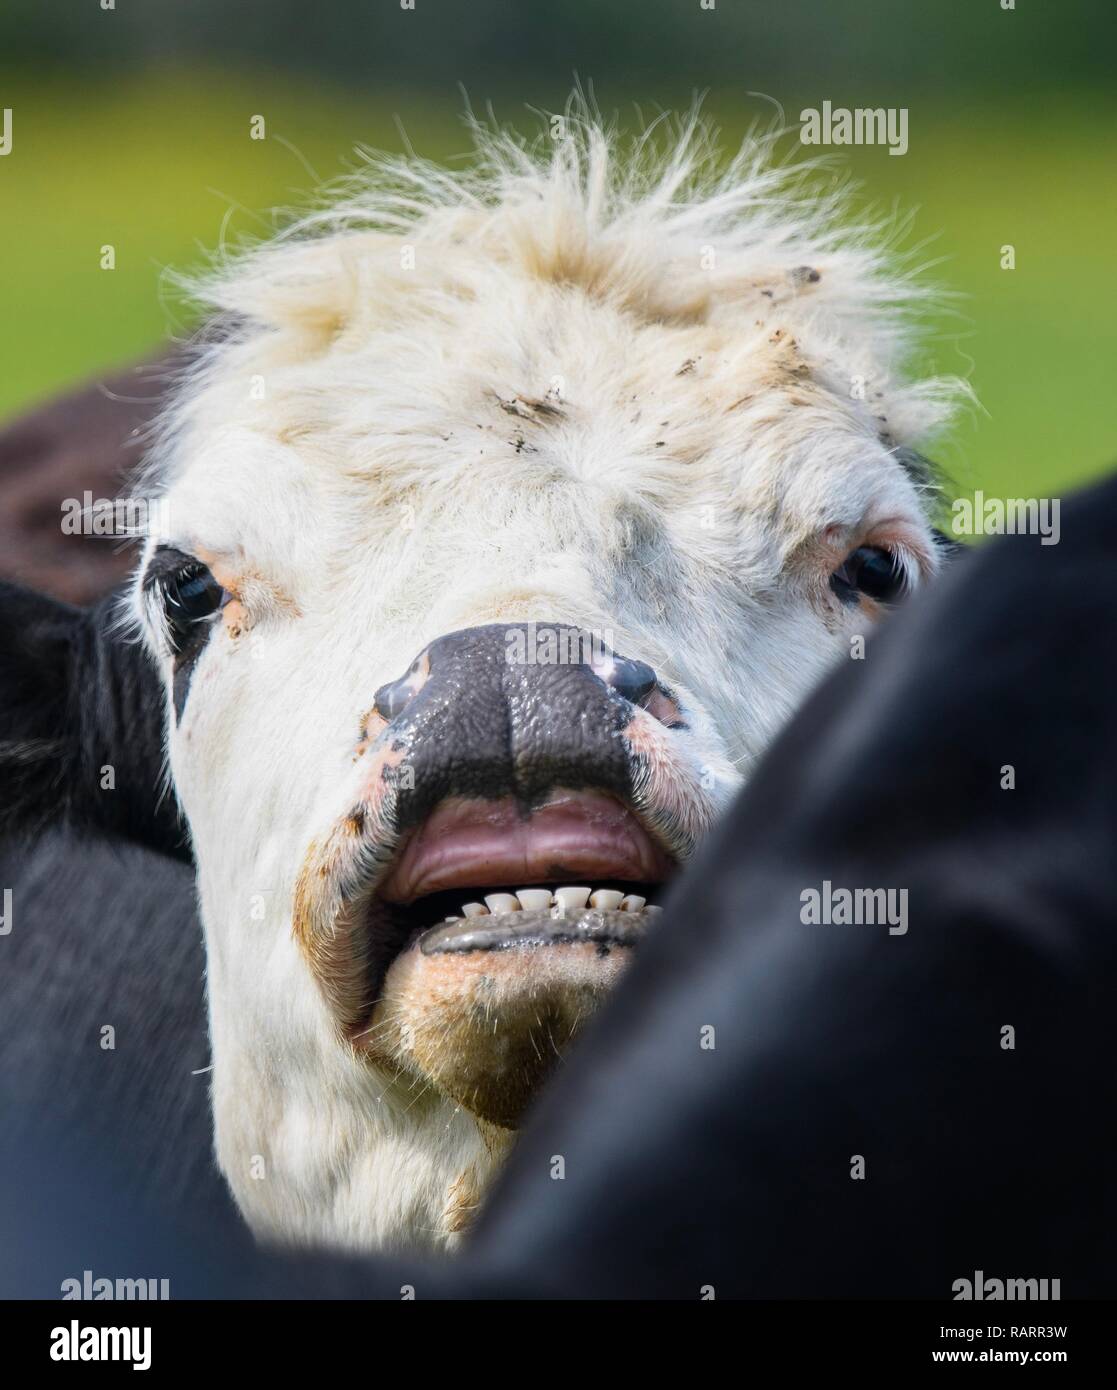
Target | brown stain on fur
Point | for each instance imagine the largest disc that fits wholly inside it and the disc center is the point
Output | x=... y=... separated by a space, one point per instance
x=373 y=725
x=462 y=1201
x=535 y=409
x=332 y=950
x=250 y=592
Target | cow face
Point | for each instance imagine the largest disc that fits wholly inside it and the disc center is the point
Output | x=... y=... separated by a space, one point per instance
x=499 y=546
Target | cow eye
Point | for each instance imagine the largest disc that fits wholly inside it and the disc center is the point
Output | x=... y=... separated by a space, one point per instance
x=872 y=570
x=190 y=594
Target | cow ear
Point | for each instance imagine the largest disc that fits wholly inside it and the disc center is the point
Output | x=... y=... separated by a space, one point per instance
x=81 y=725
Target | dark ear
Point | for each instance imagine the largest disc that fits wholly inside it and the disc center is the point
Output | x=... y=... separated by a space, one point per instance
x=81 y=726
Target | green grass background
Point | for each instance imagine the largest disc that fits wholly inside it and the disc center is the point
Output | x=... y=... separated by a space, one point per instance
x=157 y=164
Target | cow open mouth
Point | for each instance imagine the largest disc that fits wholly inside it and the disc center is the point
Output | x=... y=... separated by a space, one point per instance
x=485 y=876
x=496 y=932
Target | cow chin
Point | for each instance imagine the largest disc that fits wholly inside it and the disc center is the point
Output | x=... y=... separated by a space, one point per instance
x=483 y=1013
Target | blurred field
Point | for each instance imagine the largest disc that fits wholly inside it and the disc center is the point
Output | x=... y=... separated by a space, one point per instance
x=158 y=166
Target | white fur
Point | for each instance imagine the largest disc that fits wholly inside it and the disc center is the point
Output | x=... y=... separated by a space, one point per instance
x=710 y=466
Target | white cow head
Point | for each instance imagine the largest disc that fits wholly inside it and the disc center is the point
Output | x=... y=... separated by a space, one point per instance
x=511 y=513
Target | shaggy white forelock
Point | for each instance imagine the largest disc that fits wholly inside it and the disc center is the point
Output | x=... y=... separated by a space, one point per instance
x=661 y=227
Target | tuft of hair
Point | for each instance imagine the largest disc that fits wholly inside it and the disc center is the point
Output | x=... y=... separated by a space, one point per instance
x=662 y=224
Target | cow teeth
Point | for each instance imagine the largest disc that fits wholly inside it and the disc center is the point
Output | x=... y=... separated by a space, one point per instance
x=502 y=902
x=474 y=910
x=606 y=899
x=534 y=899
x=451 y=919
x=632 y=902
x=655 y=911
x=570 y=899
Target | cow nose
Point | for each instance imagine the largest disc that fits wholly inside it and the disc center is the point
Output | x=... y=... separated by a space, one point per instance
x=516 y=709
x=632 y=679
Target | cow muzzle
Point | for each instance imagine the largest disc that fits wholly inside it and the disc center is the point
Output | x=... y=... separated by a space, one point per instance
x=521 y=801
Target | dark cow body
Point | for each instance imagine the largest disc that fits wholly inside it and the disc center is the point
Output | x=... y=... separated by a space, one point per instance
x=76 y=696
x=83 y=716
x=731 y=1167
x=104 y=932
x=90 y=439
x=102 y=1023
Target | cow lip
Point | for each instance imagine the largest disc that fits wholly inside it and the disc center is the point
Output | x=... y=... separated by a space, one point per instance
x=576 y=837
x=603 y=927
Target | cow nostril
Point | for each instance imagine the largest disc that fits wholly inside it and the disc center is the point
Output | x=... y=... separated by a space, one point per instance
x=635 y=680
x=391 y=699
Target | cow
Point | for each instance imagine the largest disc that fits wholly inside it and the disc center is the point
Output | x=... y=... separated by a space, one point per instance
x=504 y=516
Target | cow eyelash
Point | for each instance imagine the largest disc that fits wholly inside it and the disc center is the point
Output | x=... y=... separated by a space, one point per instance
x=878 y=572
x=183 y=596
